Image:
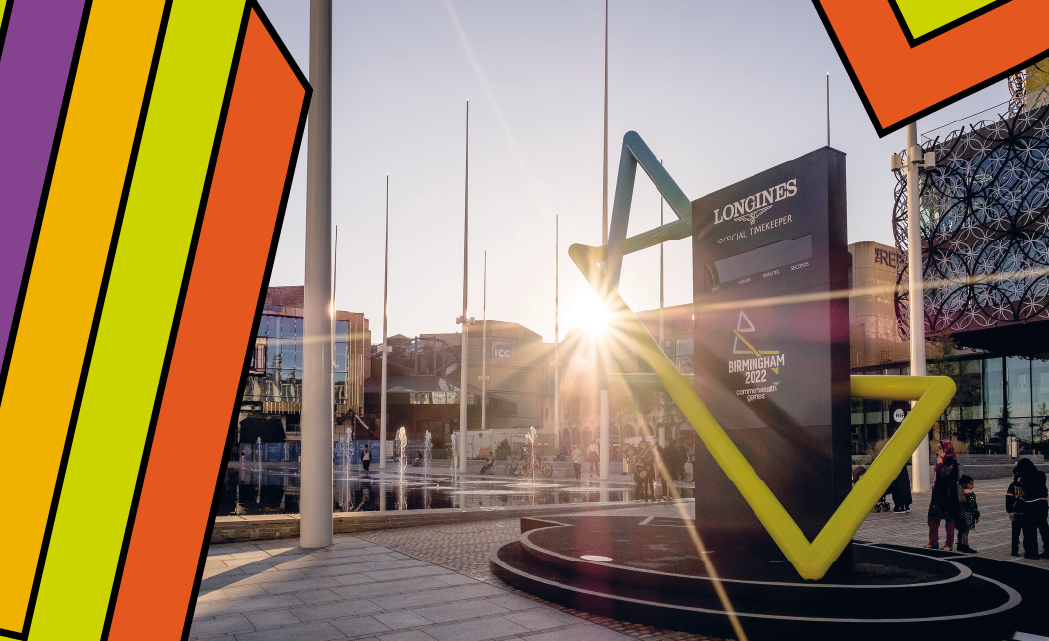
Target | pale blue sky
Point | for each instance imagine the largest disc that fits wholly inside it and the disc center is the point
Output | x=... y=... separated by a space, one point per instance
x=719 y=90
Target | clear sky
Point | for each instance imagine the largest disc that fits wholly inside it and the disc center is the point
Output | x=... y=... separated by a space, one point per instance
x=719 y=90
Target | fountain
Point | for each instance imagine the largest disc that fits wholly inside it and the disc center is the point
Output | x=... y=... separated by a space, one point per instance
x=427 y=452
x=402 y=441
x=346 y=499
x=455 y=456
x=530 y=438
x=258 y=452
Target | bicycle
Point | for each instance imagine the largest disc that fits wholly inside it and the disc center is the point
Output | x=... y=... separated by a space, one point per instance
x=542 y=467
x=513 y=467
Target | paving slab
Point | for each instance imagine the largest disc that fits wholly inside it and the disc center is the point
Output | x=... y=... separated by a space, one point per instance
x=447 y=590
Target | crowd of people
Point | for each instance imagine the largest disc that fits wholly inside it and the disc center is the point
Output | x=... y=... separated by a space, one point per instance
x=648 y=463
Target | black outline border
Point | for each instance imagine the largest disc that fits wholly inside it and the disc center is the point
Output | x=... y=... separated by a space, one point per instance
x=45 y=193
x=885 y=130
x=249 y=349
x=4 y=21
x=939 y=31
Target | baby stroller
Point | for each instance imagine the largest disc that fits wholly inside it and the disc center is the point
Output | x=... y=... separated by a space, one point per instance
x=882 y=505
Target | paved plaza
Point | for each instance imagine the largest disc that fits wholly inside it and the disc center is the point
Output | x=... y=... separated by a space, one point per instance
x=432 y=583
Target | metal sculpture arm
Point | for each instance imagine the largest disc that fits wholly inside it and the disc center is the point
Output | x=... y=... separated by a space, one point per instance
x=635 y=152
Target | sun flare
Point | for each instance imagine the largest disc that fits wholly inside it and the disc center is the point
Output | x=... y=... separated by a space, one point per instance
x=592 y=316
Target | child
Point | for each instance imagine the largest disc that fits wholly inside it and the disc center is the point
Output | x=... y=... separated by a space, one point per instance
x=1014 y=505
x=970 y=515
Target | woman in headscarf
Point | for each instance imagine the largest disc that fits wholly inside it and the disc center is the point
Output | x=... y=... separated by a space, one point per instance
x=944 y=505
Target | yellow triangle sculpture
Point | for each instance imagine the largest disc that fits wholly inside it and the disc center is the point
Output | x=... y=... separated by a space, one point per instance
x=810 y=559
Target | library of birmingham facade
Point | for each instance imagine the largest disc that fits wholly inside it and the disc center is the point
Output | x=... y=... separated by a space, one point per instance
x=985 y=256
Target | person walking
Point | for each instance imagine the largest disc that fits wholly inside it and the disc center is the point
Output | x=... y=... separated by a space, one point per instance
x=593 y=455
x=662 y=470
x=577 y=461
x=366 y=460
x=680 y=458
x=1014 y=506
x=1032 y=480
x=670 y=460
x=944 y=504
x=643 y=472
x=901 y=492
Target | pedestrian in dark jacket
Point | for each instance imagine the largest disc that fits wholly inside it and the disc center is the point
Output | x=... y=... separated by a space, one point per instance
x=661 y=469
x=944 y=504
x=643 y=471
x=1014 y=506
x=901 y=492
x=680 y=459
x=1032 y=480
x=669 y=455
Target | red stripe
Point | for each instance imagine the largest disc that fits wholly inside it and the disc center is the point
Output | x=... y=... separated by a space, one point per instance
x=204 y=379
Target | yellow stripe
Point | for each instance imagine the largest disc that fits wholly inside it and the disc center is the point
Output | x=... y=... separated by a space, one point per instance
x=63 y=290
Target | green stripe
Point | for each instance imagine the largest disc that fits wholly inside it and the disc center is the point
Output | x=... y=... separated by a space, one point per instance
x=923 y=16
x=136 y=321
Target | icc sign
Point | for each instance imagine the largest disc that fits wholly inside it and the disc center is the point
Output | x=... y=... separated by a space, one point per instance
x=502 y=353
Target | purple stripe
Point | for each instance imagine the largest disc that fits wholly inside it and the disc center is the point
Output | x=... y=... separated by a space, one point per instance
x=34 y=69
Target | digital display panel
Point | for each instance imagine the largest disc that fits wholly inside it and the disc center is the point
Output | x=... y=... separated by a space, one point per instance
x=770 y=348
x=756 y=261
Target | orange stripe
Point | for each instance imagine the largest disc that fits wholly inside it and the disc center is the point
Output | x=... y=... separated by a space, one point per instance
x=238 y=234
x=943 y=67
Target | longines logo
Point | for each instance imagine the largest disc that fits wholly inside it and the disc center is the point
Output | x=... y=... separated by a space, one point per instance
x=748 y=209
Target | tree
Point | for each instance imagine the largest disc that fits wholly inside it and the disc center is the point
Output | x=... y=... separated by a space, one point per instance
x=1041 y=422
x=942 y=349
x=1004 y=424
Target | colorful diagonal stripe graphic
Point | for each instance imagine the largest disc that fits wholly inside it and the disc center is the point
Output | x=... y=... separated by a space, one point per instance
x=154 y=178
x=956 y=47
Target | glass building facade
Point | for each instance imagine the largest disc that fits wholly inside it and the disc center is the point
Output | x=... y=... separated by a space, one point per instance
x=273 y=389
x=997 y=397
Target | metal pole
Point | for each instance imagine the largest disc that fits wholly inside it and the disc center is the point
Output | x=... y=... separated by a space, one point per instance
x=484 y=347
x=464 y=384
x=315 y=504
x=661 y=273
x=331 y=326
x=603 y=442
x=603 y=368
x=604 y=171
x=557 y=340
x=385 y=347
x=916 y=289
x=662 y=418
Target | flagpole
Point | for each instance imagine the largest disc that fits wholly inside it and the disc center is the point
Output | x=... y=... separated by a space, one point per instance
x=557 y=339
x=385 y=318
x=484 y=347
x=464 y=393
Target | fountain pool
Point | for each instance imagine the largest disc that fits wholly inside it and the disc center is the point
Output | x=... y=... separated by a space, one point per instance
x=275 y=490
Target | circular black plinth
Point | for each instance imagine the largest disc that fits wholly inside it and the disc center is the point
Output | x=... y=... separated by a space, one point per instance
x=655 y=575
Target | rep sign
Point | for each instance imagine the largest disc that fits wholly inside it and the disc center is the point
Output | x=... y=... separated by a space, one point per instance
x=502 y=353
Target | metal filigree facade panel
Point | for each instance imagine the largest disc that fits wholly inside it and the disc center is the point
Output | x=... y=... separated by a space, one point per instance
x=984 y=226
